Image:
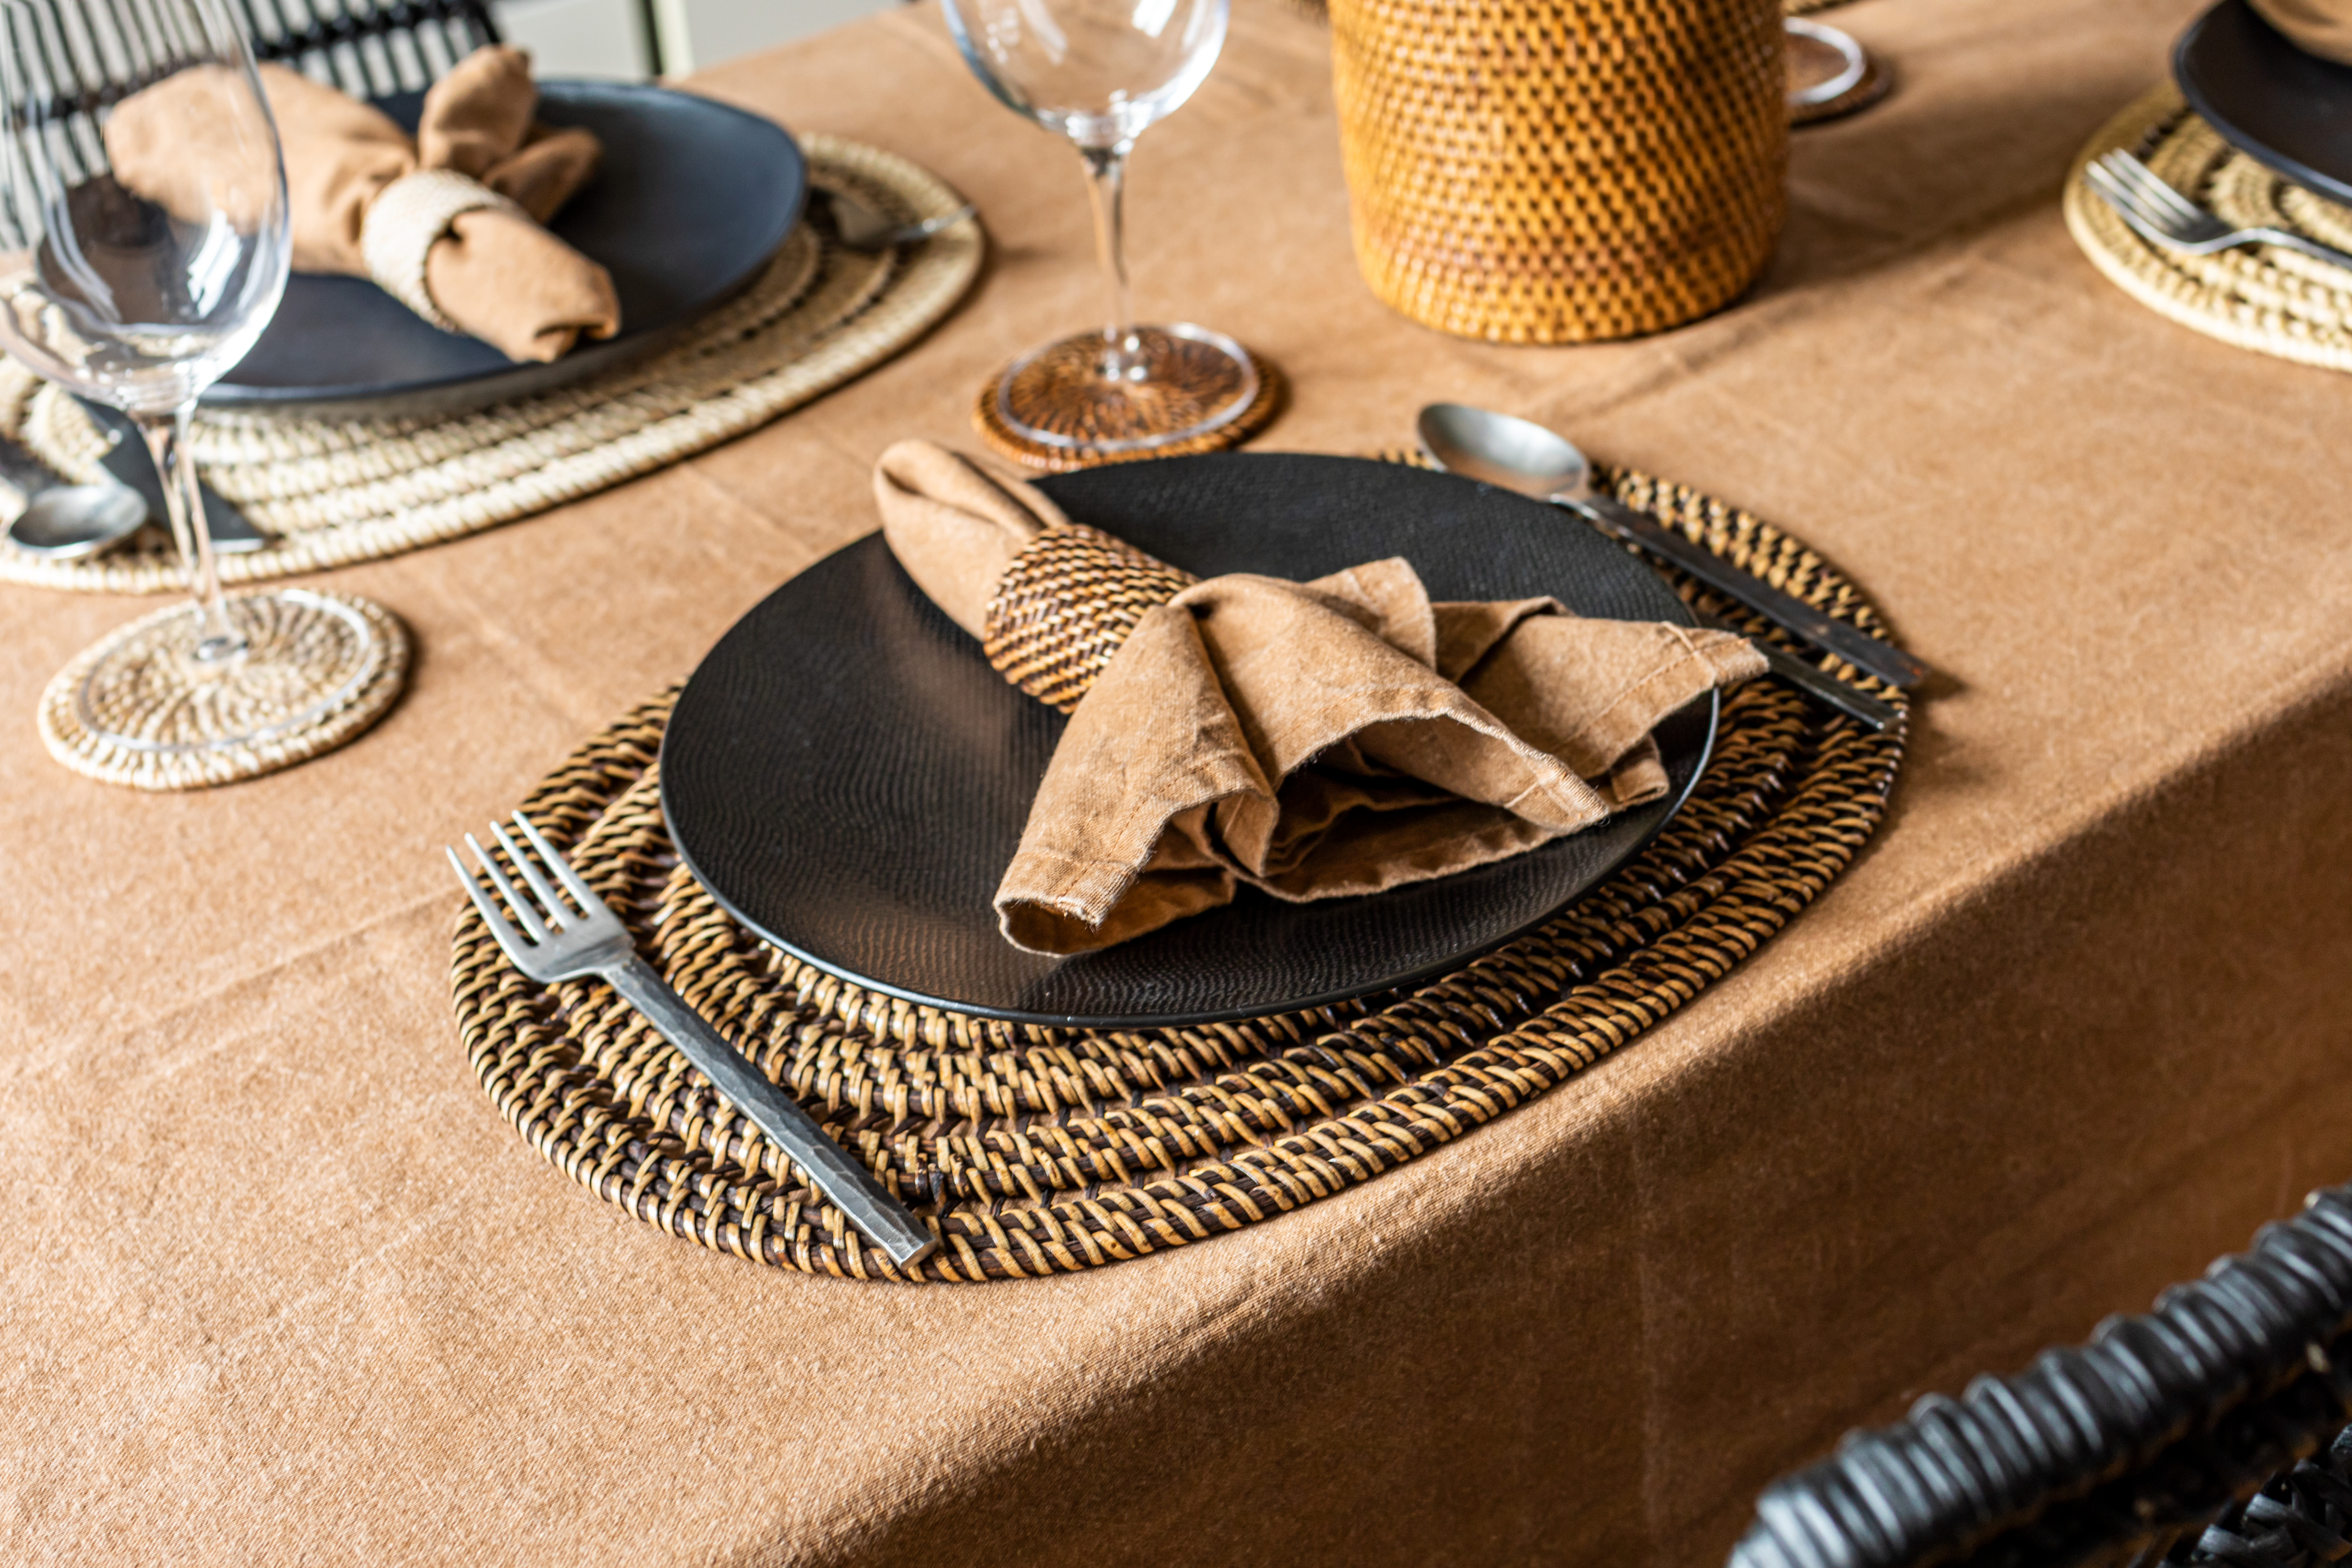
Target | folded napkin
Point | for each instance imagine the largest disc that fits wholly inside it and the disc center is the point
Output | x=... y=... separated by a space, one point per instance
x=2322 y=27
x=449 y=223
x=1313 y=740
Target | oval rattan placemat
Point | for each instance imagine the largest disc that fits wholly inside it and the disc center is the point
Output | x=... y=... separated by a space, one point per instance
x=336 y=492
x=1036 y=1151
x=2256 y=297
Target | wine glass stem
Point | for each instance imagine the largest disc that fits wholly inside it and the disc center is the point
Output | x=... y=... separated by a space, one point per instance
x=217 y=638
x=1106 y=180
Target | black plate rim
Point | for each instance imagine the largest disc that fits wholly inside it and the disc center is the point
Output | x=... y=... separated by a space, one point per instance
x=1713 y=702
x=1432 y=971
x=2192 y=88
x=612 y=354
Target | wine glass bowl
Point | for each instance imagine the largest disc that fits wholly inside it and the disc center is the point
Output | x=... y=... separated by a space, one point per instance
x=1100 y=72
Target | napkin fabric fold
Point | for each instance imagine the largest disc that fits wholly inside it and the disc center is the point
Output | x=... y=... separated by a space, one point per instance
x=2322 y=27
x=451 y=222
x=1312 y=740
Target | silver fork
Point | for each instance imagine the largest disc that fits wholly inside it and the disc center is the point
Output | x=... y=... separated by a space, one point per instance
x=2163 y=216
x=560 y=940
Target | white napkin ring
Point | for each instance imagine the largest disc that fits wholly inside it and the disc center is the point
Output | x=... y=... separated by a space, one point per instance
x=407 y=217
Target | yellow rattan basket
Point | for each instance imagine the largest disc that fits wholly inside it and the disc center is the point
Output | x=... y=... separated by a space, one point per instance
x=1559 y=171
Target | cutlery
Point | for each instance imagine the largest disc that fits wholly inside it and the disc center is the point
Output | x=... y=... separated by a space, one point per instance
x=1516 y=454
x=860 y=227
x=127 y=460
x=2164 y=216
x=560 y=940
x=64 y=520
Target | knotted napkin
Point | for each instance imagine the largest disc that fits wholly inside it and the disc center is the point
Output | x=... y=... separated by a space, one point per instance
x=1313 y=740
x=449 y=223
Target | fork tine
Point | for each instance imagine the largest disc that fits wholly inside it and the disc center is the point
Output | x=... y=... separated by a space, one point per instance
x=2153 y=188
x=550 y=903
x=515 y=901
x=500 y=927
x=2150 y=226
x=2113 y=192
x=585 y=895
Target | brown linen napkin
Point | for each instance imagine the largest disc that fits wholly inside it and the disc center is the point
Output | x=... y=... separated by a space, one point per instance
x=463 y=243
x=1314 y=740
x=2322 y=27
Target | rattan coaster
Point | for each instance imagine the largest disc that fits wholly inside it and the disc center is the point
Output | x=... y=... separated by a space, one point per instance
x=2257 y=296
x=337 y=491
x=987 y=419
x=1035 y=1150
x=137 y=708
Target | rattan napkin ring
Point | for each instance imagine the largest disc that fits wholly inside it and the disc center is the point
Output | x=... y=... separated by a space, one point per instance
x=1065 y=604
x=407 y=219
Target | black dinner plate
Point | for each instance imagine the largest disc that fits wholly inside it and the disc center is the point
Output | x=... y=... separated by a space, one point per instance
x=692 y=199
x=2282 y=108
x=849 y=778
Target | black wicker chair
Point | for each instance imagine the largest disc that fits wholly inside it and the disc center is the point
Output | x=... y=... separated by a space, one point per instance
x=2213 y=1430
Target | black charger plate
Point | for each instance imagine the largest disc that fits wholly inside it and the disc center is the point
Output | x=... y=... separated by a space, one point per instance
x=692 y=199
x=849 y=778
x=2281 y=107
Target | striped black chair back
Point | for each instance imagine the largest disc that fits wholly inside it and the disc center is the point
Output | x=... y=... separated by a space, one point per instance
x=2210 y=1431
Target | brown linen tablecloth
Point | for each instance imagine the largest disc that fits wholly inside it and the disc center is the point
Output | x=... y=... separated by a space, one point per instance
x=280 y=1286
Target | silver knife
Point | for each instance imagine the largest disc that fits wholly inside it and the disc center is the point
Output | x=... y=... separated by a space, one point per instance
x=127 y=460
x=1857 y=647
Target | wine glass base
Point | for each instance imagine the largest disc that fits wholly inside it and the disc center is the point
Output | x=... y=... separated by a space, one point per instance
x=1829 y=74
x=151 y=708
x=1188 y=390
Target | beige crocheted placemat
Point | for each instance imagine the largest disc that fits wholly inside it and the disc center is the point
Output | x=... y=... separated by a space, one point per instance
x=2257 y=296
x=335 y=491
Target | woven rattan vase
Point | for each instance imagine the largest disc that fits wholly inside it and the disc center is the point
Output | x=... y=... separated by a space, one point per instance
x=1559 y=171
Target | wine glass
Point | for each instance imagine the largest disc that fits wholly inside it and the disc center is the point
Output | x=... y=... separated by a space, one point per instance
x=143 y=245
x=1099 y=71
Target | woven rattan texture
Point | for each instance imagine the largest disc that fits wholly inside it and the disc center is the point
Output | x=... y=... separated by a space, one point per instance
x=337 y=491
x=1272 y=390
x=1039 y=1150
x=1558 y=171
x=1065 y=604
x=2257 y=296
x=185 y=721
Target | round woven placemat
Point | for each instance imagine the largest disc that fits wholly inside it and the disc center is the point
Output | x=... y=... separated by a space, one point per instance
x=1038 y=1150
x=2257 y=296
x=163 y=725
x=336 y=492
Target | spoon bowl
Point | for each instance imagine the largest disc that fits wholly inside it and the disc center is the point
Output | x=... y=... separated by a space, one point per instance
x=73 y=520
x=1510 y=454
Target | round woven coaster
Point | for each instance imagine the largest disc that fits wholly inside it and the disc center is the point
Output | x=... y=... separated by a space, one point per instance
x=989 y=420
x=1035 y=1150
x=2257 y=296
x=156 y=720
x=337 y=491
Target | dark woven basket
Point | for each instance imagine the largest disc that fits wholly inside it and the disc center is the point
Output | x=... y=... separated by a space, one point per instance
x=2186 y=1435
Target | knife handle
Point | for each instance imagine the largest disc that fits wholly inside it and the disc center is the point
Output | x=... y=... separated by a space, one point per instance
x=1855 y=646
x=846 y=1184
x=1826 y=688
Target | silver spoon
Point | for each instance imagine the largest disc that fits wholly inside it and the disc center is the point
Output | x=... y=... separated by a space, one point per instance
x=860 y=227
x=1518 y=456
x=64 y=521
